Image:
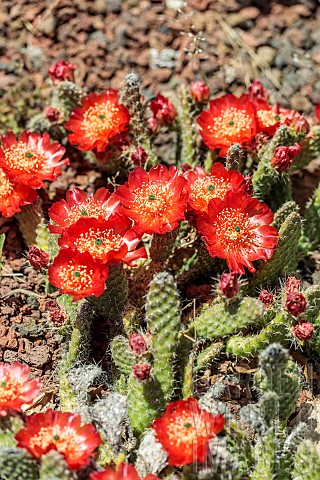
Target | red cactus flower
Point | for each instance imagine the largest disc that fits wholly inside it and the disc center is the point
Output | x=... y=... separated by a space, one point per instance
x=164 y=111
x=287 y=117
x=238 y=229
x=61 y=431
x=106 y=240
x=62 y=70
x=15 y=387
x=38 y=258
x=199 y=91
x=184 y=431
x=14 y=195
x=78 y=274
x=257 y=91
x=228 y=285
x=31 y=158
x=123 y=472
x=268 y=120
x=97 y=121
x=283 y=156
x=303 y=330
x=317 y=112
x=296 y=303
x=202 y=187
x=266 y=298
x=154 y=199
x=77 y=205
x=229 y=120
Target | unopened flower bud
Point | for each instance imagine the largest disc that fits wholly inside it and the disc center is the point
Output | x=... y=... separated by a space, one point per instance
x=257 y=91
x=283 y=156
x=139 y=156
x=138 y=344
x=317 y=112
x=228 y=286
x=292 y=285
x=152 y=124
x=199 y=91
x=163 y=109
x=38 y=258
x=52 y=114
x=266 y=298
x=57 y=317
x=295 y=303
x=185 y=167
x=249 y=185
x=62 y=70
x=141 y=371
x=303 y=330
x=301 y=125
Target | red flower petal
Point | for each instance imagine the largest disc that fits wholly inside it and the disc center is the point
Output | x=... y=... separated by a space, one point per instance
x=97 y=121
x=78 y=274
x=31 y=158
x=229 y=120
x=238 y=229
x=184 y=431
x=14 y=195
x=61 y=431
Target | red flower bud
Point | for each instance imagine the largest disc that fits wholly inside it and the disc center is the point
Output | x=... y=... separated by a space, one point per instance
x=249 y=186
x=228 y=285
x=199 y=91
x=52 y=114
x=300 y=125
x=137 y=344
x=295 y=303
x=292 y=285
x=283 y=156
x=185 y=167
x=317 y=112
x=141 y=371
x=266 y=298
x=139 y=156
x=303 y=330
x=61 y=70
x=57 y=317
x=257 y=91
x=163 y=110
x=38 y=258
x=152 y=124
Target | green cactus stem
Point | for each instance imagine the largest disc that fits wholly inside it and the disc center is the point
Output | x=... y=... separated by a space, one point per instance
x=249 y=346
x=186 y=129
x=17 y=464
x=222 y=319
x=266 y=177
x=77 y=351
x=307 y=462
x=53 y=466
x=208 y=355
x=310 y=149
x=284 y=259
x=121 y=354
x=162 y=245
x=236 y=158
x=67 y=95
x=131 y=98
x=9 y=426
x=29 y=219
x=113 y=301
x=310 y=238
x=163 y=318
x=283 y=212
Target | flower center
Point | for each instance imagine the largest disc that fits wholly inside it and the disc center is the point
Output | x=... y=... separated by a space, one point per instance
x=234 y=229
x=98 y=242
x=6 y=187
x=100 y=119
x=19 y=157
x=184 y=430
x=76 y=278
x=207 y=188
x=267 y=118
x=153 y=199
x=231 y=123
x=89 y=209
x=10 y=389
